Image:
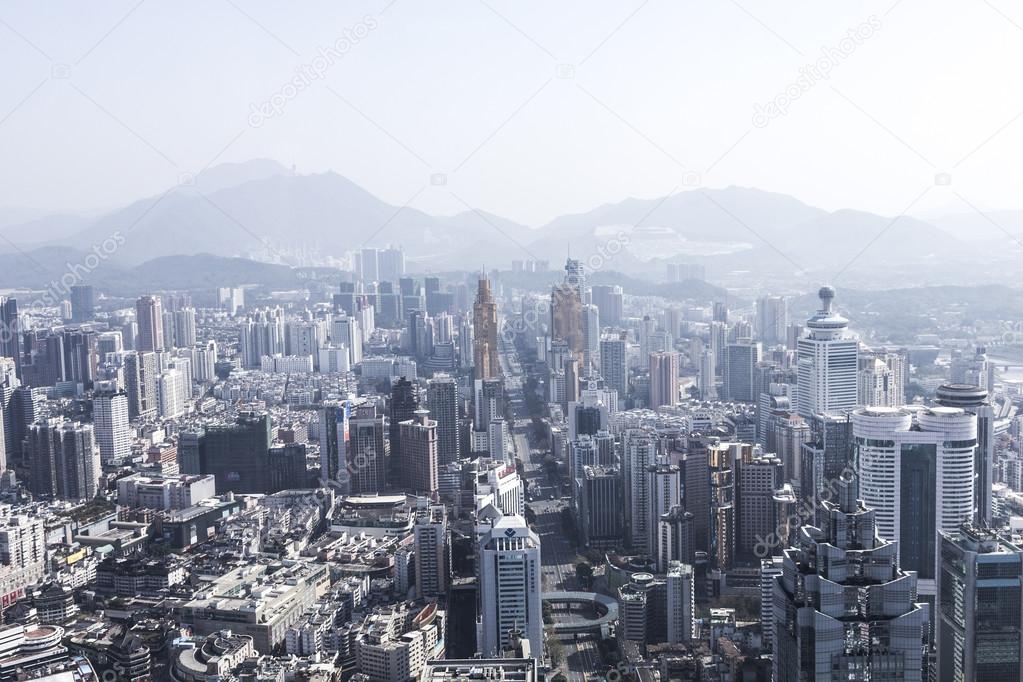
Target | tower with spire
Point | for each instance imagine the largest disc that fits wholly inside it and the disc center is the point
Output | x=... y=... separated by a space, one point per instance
x=827 y=362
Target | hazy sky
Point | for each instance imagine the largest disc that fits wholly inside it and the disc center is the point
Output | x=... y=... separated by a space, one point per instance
x=530 y=109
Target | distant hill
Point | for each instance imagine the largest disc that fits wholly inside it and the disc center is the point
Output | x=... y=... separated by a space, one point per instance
x=260 y=208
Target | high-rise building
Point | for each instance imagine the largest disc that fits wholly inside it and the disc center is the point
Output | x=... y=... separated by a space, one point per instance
x=390 y=264
x=345 y=331
x=83 y=303
x=334 y=431
x=772 y=319
x=706 y=382
x=675 y=538
x=759 y=477
x=402 y=407
x=419 y=454
x=184 y=327
x=369 y=265
x=484 y=321
x=170 y=393
x=979 y=628
x=600 y=507
x=431 y=546
x=567 y=301
x=664 y=384
x=827 y=362
x=974 y=369
x=842 y=593
x=740 y=371
x=367 y=462
x=149 y=315
x=974 y=399
x=10 y=331
x=640 y=451
x=681 y=602
x=665 y=486
x=237 y=454
x=22 y=553
x=880 y=380
x=608 y=299
x=696 y=481
x=287 y=467
x=591 y=338
x=140 y=380
x=613 y=367
x=826 y=456
x=64 y=460
x=510 y=585
x=442 y=399
x=916 y=472
x=111 y=425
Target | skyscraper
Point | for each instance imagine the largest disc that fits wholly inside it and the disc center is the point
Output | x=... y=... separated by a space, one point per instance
x=591 y=338
x=149 y=315
x=640 y=450
x=83 y=303
x=608 y=299
x=772 y=319
x=369 y=266
x=567 y=309
x=402 y=407
x=916 y=472
x=334 y=434
x=484 y=333
x=974 y=399
x=664 y=385
x=827 y=362
x=740 y=371
x=390 y=264
x=64 y=460
x=419 y=454
x=442 y=399
x=10 y=331
x=237 y=454
x=878 y=383
x=980 y=602
x=613 y=367
x=140 y=379
x=111 y=426
x=367 y=463
x=431 y=545
x=510 y=585
x=184 y=327
x=840 y=595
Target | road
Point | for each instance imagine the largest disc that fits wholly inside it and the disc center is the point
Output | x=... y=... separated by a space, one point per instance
x=582 y=658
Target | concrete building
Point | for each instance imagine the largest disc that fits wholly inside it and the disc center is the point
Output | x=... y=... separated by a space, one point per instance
x=162 y=492
x=826 y=362
x=841 y=592
x=980 y=601
x=510 y=585
x=916 y=473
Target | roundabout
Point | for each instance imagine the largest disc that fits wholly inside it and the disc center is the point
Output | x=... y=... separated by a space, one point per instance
x=604 y=605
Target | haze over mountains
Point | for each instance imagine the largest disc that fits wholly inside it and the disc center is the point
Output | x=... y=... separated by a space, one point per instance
x=262 y=210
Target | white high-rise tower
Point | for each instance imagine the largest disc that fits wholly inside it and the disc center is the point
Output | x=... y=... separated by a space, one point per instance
x=510 y=592
x=915 y=468
x=827 y=362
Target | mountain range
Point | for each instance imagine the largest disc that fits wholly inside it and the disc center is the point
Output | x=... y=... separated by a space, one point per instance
x=261 y=210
